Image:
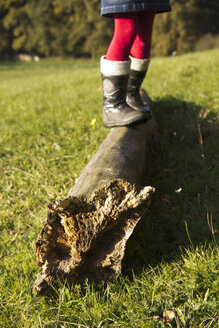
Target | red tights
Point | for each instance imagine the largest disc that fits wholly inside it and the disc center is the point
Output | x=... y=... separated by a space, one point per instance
x=132 y=35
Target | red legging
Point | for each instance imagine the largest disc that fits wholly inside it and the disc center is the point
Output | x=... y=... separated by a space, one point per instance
x=132 y=35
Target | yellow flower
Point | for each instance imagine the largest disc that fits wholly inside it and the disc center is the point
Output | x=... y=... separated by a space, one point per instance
x=93 y=122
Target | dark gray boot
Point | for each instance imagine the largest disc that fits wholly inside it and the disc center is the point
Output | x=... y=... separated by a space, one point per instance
x=137 y=74
x=116 y=112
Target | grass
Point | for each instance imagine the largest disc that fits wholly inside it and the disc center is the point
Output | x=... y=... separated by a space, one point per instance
x=170 y=270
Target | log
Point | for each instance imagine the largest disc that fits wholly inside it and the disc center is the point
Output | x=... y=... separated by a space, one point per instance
x=85 y=234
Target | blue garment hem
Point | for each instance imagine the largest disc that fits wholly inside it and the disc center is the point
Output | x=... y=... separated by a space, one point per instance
x=110 y=10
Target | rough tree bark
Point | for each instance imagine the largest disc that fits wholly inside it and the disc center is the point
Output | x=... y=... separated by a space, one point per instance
x=86 y=233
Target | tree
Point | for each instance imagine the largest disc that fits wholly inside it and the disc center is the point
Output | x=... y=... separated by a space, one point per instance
x=75 y=28
x=12 y=24
x=185 y=25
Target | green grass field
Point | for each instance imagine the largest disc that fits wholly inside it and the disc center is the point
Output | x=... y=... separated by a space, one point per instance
x=170 y=270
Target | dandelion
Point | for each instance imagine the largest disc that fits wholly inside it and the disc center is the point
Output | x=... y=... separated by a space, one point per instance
x=93 y=122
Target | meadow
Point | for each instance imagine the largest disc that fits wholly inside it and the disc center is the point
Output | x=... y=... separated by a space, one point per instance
x=50 y=127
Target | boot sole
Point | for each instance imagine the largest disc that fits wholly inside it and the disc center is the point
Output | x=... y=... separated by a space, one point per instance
x=128 y=123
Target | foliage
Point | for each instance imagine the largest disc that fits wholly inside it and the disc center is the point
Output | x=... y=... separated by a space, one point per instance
x=208 y=41
x=75 y=28
x=179 y=30
x=54 y=27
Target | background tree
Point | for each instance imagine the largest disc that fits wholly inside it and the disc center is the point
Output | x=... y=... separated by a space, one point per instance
x=181 y=29
x=75 y=28
x=13 y=20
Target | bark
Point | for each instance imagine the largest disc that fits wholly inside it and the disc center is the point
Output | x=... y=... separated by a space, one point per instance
x=86 y=233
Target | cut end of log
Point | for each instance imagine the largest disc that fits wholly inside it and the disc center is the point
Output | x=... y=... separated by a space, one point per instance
x=85 y=237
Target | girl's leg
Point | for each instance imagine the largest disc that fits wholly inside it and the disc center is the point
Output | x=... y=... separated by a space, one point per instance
x=140 y=59
x=115 y=71
x=142 y=44
x=115 y=68
x=125 y=31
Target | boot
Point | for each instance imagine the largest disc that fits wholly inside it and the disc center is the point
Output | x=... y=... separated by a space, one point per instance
x=116 y=112
x=137 y=74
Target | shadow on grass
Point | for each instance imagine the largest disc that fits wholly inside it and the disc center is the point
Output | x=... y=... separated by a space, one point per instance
x=184 y=170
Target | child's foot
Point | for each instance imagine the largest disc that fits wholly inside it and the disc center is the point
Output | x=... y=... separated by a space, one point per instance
x=121 y=115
